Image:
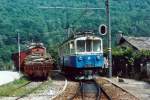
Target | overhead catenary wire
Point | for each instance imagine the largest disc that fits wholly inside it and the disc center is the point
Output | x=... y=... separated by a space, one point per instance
x=81 y=15
x=73 y=8
x=69 y=25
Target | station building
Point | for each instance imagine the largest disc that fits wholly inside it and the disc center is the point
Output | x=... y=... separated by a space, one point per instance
x=137 y=44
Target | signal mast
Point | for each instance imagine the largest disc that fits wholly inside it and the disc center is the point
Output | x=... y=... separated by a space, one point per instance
x=109 y=37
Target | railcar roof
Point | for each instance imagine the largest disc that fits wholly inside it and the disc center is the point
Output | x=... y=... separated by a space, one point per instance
x=82 y=35
x=89 y=37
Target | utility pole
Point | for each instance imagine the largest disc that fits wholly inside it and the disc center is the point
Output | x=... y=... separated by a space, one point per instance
x=109 y=37
x=19 y=51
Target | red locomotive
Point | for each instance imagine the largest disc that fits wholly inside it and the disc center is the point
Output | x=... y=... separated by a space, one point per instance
x=34 y=62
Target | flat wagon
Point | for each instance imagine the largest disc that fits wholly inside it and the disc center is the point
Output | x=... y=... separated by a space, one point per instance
x=34 y=61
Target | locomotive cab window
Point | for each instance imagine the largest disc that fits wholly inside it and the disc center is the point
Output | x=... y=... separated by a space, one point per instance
x=96 y=45
x=88 y=45
x=81 y=46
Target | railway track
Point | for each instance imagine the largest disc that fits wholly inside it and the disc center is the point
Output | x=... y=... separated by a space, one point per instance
x=38 y=85
x=113 y=91
x=24 y=85
x=104 y=95
x=44 y=90
x=84 y=90
x=94 y=90
x=23 y=91
x=79 y=90
x=37 y=90
x=90 y=90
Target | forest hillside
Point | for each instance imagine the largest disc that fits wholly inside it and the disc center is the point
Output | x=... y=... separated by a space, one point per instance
x=35 y=22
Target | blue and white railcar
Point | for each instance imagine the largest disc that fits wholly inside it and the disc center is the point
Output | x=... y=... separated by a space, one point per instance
x=82 y=55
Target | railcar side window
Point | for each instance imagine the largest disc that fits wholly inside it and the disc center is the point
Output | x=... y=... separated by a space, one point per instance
x=61 y=50
x=64 y=51
x=96 y=45
x=80 y=46
x=72 y=47
x=88 y=45
x=67 y=48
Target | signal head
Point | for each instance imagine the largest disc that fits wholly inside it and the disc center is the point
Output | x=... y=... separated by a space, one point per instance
x=103 y=29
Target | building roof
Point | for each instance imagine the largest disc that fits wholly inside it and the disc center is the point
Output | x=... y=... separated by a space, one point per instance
x=141 y=43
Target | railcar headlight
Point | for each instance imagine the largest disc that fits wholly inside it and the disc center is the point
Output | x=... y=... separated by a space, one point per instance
x=80 y=58
x=98 y=57
x=89 y=58
x=100 y=54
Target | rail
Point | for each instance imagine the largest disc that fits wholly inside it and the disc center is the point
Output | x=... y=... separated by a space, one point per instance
x=82 y=92
x=64 y=87
x=31 y=91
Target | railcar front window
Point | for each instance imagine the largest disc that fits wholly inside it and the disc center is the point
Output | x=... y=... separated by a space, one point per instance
x=80 y=46
x=96 y=45
x=88 y=45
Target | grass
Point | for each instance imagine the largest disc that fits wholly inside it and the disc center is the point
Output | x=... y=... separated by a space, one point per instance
x=44 y=86
x=18 y=88
x=11 y=89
